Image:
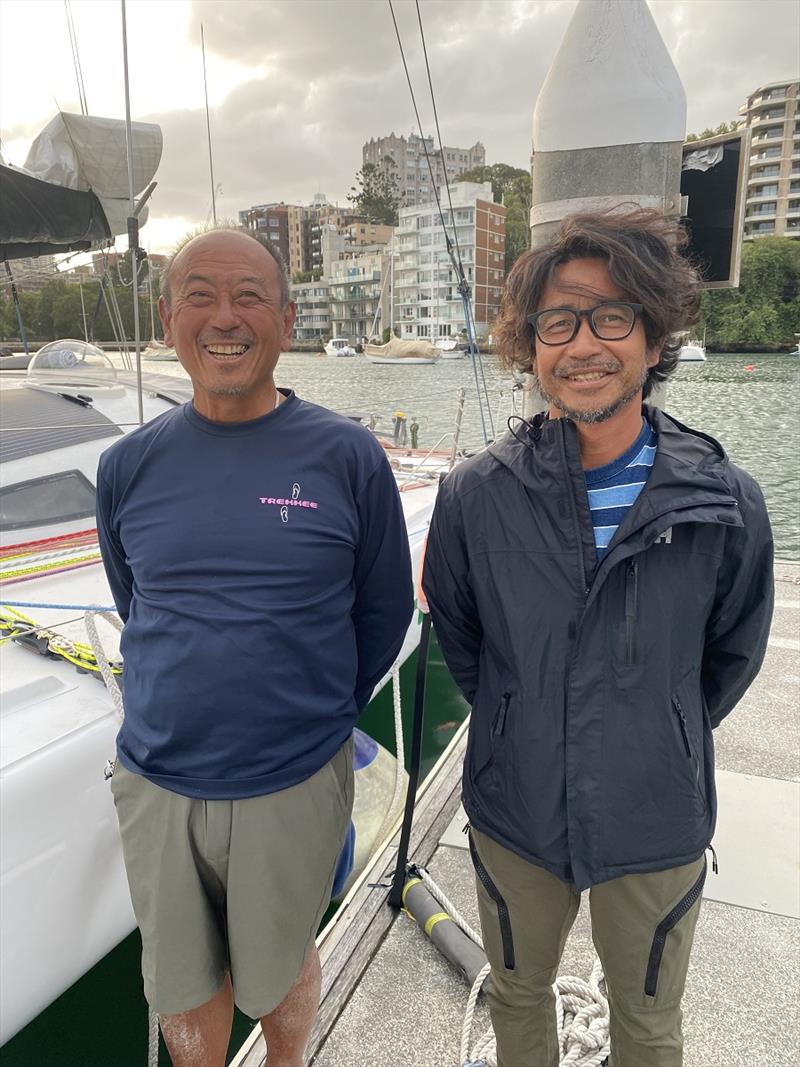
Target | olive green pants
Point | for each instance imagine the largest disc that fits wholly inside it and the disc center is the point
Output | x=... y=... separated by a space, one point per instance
x=642 y=927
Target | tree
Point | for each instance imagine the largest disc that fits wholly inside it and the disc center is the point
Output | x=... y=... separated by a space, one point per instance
x=376 y=195
x=765 y=309
x=510 y=186
x=724 y=127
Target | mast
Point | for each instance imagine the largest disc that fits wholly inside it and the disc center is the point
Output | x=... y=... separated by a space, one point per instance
x=208 y=129
x=391 y=289
x=133 y=221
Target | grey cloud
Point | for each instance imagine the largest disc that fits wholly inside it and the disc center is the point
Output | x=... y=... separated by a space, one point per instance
x=333 y=78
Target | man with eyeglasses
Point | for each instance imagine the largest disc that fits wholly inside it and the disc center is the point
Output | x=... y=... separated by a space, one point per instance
x=601 y=584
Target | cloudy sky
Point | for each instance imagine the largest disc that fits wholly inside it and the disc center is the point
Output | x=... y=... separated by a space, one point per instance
x=297 y=86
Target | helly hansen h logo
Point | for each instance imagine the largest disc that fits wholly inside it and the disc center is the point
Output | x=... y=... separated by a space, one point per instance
x=665 y=538
x=285 y=503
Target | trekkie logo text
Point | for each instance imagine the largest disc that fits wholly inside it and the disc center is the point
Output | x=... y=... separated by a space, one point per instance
x=284 y=503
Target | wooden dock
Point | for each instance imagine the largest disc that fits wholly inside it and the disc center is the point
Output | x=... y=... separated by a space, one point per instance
x=389 y=998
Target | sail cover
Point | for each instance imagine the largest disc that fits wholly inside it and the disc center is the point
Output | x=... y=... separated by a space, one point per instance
x=39 y=219
x=82 y=155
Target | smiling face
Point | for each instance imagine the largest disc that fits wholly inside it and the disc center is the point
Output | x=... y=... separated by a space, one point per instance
x=226 y=323
x=587 y=379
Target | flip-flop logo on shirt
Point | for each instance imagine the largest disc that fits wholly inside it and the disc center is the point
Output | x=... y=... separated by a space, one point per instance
x=294 y=501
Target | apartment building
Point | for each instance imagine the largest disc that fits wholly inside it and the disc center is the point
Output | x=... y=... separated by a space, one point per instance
x=414 y=181
x=271 y=220
x=773 y=190
x=313 y=321
x=427 y=302
x=358 y=291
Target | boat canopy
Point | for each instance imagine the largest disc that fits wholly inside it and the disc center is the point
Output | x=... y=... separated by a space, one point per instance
x=72 y=192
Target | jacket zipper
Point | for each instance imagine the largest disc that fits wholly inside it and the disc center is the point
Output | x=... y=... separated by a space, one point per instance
x=686 y=740
x=631 y=606
x=684 y=905
x=503 y=917
x=500 y=716
x=576 y=521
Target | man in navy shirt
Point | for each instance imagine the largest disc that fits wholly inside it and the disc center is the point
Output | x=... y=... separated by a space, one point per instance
x=256 y=550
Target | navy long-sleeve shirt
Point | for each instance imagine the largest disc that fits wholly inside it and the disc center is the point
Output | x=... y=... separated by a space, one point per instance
x=263 y=574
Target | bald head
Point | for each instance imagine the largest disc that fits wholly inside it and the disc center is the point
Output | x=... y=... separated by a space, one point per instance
x=201 y=238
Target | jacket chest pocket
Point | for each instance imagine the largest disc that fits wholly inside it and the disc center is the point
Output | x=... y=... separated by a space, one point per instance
x=631 y=610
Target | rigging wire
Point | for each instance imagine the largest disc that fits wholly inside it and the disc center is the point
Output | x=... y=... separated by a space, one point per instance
x=482 y=388
x=455 y=256
x=76 y=59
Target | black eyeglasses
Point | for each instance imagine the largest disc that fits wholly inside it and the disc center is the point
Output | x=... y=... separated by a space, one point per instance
x=613 y=320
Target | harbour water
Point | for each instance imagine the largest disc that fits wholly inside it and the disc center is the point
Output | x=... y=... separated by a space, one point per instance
x=749 y=402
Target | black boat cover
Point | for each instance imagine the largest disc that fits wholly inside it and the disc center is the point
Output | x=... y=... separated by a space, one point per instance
x=38 y=218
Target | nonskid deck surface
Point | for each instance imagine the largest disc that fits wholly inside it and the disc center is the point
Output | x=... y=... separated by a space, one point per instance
x=740 y=1008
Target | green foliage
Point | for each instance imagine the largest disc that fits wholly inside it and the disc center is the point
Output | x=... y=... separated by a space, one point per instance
x=724 y=127
x=510 y=186
x=376 y=195
x=765 y=309
x=55 y=311
x=301 y=276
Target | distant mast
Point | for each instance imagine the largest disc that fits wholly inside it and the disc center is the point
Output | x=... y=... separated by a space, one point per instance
x=208 y=131
x=610 y=121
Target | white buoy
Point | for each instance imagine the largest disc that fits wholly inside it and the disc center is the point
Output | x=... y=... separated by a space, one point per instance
x=610 y=120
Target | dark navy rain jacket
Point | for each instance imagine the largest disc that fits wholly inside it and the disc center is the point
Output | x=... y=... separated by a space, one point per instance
x=595 y=686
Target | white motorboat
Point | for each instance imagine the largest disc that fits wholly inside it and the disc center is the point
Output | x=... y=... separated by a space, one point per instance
x=693 y=350
x=65 y=901
x=339 y=346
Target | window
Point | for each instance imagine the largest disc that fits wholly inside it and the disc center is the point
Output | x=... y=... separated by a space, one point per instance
x=766 y=172
x=53 y=498
x=274 y=222
x=766 y=190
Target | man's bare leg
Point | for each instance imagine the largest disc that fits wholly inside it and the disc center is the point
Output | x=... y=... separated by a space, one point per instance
x=288 y=1028
x=199 y=1038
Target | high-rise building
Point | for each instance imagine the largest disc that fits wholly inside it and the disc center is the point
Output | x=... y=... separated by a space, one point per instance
x=427 y=302
x=271 y=220
x=313 y=321
x=358 y=293
x=414 y=182
x=773 y=189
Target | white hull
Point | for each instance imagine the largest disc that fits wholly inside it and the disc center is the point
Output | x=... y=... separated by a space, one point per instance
x=64 y=902
x=338 y=346
x=692 y=354
x=401 y=359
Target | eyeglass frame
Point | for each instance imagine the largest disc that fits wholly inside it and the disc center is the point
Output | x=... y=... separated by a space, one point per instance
x=533 y=320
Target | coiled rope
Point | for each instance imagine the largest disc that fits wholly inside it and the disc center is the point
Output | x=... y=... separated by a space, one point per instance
x=582 y=1015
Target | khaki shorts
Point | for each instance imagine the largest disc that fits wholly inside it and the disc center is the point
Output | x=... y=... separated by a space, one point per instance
x=235 y=886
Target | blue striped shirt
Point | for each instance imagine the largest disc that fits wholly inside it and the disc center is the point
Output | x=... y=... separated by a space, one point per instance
x=613 y=488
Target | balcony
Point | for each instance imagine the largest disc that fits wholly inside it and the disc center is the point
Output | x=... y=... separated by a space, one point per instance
x=764 y=120
x=772 y=97
x=768 y=174
x=764 y=193
x=760 y=216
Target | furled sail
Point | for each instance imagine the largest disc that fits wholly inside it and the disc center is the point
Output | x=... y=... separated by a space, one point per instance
x=72 y=192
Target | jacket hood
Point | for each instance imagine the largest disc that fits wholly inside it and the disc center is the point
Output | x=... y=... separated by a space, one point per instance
x=683 y=456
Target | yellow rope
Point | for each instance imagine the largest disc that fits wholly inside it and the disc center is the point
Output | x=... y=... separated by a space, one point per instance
x=42 y=568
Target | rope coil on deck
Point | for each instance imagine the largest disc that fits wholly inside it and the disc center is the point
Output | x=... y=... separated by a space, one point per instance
x=582 y=1014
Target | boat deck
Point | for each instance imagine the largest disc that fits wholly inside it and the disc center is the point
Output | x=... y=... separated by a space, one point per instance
x=403 y=1003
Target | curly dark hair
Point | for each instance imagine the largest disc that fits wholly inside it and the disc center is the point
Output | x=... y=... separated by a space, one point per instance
x=643 y=251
